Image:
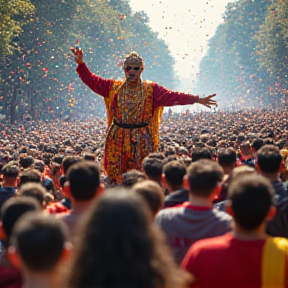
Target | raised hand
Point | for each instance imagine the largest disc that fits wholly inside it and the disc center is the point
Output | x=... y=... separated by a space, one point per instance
x=207 y=101
x=78 y=55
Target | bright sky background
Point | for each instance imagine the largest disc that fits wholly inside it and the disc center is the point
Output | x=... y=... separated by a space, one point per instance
x=186 y=26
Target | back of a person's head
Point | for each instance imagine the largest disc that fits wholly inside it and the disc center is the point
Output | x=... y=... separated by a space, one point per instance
x=132 y=177
x=227 y=157
x=10 y=171
x=251 y=197
x=13 y=209
x=201 y=153
x=158 y=155
x=174 y=172
x=39 y=165
x=269 y=159
x=203 y=176
x=84 y=180
x=26 y=161
x=34 y=190
x=152 y=193
x=39 y=241
x=153 y=167
x=89 y=156
x=30 y=175
x=122 y=216
x=68 y=161
x=257 y=144
x=245 y=148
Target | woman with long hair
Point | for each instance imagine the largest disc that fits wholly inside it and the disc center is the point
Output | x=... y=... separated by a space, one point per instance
x=119 y=246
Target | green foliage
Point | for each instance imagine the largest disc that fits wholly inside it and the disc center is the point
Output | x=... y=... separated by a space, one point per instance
x=246 y=63
x=107 y=30
x=13 y=15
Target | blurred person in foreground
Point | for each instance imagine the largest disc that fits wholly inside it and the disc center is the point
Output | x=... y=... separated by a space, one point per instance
x=120 y=246
x=134 y=111
x=39 y=247
x=246 y=257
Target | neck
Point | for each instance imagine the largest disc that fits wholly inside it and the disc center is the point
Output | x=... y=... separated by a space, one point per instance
x=174 y=188
x=247 y=235
x=10 y=183
x=200 y=201
x=43 y=280
x=272 y=176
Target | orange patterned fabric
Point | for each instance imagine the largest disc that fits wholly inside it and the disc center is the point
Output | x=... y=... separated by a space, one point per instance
x=126 y=148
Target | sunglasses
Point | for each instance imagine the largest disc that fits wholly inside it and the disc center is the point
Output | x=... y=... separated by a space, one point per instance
x=129 y=68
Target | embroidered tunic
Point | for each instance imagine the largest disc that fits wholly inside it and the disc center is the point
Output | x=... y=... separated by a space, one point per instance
x=141 y=108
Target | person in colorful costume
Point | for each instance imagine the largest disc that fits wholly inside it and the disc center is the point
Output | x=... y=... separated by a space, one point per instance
x=134 y=112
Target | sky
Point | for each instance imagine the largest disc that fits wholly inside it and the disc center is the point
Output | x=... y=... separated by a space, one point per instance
x=186 y=26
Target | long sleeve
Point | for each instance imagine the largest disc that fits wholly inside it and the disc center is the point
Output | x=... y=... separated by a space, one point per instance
x=165 y=97
x=96 y=83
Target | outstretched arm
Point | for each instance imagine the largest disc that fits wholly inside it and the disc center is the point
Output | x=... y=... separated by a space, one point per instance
x=165 y=97
x=96 y=83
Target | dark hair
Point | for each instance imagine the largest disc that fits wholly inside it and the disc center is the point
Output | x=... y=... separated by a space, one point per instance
x=125 y=250
x=10 y=171
x=14 y=208
x=158 y=155
x=68 y=161
x=39 y=240
x=269 y=159
x=153 y=167
x=203 y=176
x=227 y=156
x=152 y=193
x=84 y=179
x=58 y=159
x=26 y=161
x=257 y=144
x=89 y=156
x=132 y=177
x=35 y=190
x=251 y=197
x=201 y=153
x=30 y=175
x=39 y=165
x=174 y=172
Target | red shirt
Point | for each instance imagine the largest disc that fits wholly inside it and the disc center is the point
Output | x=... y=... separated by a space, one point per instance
x=224 y=262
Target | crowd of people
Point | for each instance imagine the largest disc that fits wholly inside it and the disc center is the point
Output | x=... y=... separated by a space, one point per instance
x=197 y=213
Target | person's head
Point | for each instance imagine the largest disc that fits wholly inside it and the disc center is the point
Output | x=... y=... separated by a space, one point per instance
x=34 y=190
x=68 y=161
x=174 y=173
x=153 y=168
x=26 y=161
x=201 y=153
x=269 y=159
x=10 y=173
x=133 y=67
x=124 y=248
x=251 y=200
x=227 y=158
x=132 y=177
x=12 y=210
x=152 y=193
x=257 y=144
x=38 y=243
x=39 y=165
x=30 y=175
x=204 y=177
x=89 y=156
x=84 y=180
x=245 y=148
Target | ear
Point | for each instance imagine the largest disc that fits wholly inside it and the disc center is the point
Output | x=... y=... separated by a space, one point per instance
x=164 y=180
x=66 y=252
x=271 y=213
x=100 y=190
x=228 y=208
x=13 y=257
x=185 y=182
x=3 y=235
x=66 y=189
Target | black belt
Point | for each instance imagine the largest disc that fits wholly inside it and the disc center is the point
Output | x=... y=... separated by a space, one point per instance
x=130 y=126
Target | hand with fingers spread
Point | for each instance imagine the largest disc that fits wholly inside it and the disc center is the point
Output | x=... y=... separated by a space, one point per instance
x=78 y=55
x=207 y=101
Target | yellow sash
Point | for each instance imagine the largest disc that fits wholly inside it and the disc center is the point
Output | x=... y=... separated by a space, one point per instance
x=274 y=262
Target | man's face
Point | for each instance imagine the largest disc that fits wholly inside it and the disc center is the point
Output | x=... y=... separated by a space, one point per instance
x=133 y=72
